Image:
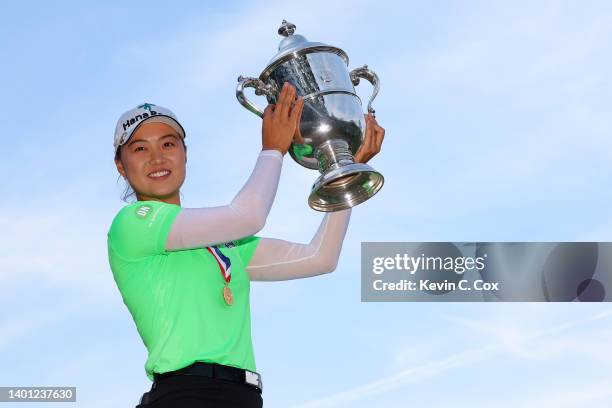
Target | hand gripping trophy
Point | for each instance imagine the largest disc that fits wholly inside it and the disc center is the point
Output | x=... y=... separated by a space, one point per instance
x=332 y=123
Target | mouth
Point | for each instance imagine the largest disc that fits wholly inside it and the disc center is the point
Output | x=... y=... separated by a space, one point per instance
x=159 y=174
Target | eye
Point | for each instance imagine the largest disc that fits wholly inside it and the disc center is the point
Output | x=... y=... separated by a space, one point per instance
x=169 y=143
x=136 y=149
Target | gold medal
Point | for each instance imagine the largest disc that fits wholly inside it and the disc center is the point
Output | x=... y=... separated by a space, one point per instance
x=227 y=294
x=225 y=267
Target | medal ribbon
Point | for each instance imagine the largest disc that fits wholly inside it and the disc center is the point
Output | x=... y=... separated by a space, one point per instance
x=225 y=265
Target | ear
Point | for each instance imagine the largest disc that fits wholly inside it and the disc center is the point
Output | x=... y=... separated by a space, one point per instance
x=120 y=168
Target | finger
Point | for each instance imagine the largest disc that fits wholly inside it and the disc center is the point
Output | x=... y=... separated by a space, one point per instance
x=379 y=139
x=374 y=138
x=375 y=123
x=362 y=155
x=292 y=99
x=369 y=132
x=380 y=134
x=357 y=155
x=281 y=97
x=366 y=150
x=285 y=100
x=269 y=109
x=370 y=121
x=377 y=127
x=368 y=144
x=296 y=110
x=298 y=116
x=297 y=136
x=292 y=107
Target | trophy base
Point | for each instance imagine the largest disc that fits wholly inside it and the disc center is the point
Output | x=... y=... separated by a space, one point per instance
x=344 y=187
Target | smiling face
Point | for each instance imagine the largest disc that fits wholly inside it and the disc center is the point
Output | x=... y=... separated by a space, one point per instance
x=153 y=162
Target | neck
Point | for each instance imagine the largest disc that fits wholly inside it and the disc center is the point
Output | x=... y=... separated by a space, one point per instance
x=170 y=199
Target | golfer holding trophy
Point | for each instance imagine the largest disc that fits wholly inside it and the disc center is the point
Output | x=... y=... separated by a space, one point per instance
x=185 y=273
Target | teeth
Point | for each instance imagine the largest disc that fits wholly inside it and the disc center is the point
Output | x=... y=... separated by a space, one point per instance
x=159 y=173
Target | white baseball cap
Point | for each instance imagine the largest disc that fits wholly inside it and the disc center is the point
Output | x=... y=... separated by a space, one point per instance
x=147 y=112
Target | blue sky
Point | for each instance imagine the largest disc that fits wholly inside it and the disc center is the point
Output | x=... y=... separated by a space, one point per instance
x=498 y=129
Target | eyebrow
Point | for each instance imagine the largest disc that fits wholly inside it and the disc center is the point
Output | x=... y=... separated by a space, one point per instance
x=142 y=140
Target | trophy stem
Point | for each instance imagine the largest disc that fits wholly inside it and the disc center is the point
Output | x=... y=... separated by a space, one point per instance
x=333 y=154
x=343 y=183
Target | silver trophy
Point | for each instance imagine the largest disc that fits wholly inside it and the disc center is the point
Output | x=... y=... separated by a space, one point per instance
x=332 y=122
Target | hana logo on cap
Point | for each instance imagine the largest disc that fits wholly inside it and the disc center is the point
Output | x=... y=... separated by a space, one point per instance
x=149 y=112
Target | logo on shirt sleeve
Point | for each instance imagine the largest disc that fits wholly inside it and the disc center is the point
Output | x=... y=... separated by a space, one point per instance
x=143 y=210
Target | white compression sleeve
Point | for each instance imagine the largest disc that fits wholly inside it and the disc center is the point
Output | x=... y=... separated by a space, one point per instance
x=276 y=259
x=244 y=216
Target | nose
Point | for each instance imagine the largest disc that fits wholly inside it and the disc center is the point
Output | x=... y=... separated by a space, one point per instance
x=157 y=155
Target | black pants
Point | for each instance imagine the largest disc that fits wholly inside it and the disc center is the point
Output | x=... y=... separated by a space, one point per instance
x=191 y=391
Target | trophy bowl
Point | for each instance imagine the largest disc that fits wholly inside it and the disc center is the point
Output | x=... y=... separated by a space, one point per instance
x=332 y=122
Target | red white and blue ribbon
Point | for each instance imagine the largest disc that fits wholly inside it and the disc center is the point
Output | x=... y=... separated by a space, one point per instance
x=225 y=265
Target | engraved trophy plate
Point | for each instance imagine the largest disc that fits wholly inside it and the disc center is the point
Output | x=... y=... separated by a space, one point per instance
x=332 y=122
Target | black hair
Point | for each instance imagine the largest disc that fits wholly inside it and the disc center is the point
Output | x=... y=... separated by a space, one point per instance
x=129 y=192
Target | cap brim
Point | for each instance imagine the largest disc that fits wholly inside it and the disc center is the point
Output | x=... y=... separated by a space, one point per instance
x=168 y=120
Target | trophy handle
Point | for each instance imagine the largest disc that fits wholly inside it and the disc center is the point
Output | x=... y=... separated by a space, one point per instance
x=260 y=89
x=366 y=73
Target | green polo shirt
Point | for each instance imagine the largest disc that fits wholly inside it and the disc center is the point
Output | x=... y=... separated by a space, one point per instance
x=175 y=297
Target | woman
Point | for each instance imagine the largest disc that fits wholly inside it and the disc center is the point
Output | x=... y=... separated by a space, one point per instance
x=184 y=273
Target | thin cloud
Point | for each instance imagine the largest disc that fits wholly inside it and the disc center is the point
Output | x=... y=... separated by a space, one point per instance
x=431 y=370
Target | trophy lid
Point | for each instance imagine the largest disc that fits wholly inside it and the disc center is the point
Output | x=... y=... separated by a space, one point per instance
x=296 y=45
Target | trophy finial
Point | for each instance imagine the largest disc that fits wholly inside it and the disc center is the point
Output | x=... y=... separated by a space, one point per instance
x=286 y=29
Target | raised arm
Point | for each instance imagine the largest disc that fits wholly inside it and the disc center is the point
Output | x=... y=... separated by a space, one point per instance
x=277 y=259
x=245 y=215
x=248 y=211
